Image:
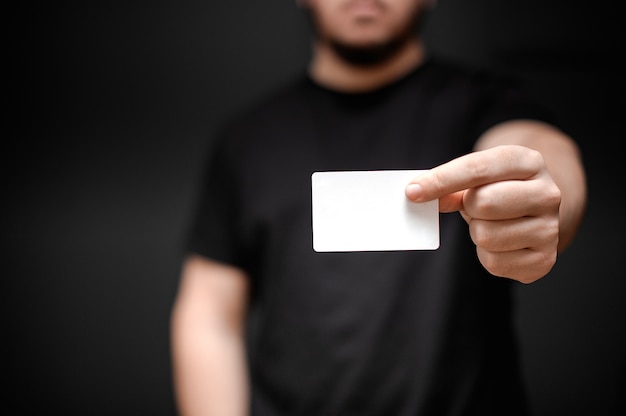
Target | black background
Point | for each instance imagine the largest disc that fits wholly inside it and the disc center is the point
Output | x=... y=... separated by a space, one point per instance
x=111 y=105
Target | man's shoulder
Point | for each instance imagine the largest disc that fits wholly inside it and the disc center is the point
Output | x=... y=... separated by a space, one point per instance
x=278 y=102
x=449 y=70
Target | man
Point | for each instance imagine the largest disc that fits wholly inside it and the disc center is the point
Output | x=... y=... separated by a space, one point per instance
x=264 y=325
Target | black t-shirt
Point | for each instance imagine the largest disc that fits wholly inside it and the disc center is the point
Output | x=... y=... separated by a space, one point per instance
x=368 y=333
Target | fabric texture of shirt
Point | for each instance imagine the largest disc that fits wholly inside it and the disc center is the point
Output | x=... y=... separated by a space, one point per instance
x=367 y=333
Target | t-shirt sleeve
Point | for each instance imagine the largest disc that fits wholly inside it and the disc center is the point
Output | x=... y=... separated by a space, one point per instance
x=213 y=230
x=504 y=99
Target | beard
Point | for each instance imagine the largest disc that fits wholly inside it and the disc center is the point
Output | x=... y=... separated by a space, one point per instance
x=370 y=55
x=373 y=54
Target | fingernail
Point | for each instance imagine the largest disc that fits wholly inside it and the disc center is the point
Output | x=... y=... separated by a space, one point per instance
x=413 y=191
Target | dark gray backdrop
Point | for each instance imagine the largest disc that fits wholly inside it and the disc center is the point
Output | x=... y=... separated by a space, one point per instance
x=111 y=106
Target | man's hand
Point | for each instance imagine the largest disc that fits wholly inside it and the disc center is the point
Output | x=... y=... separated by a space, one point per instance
x=511 y=203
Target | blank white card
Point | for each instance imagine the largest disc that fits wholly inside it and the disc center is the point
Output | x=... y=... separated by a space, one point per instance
x=368 y=211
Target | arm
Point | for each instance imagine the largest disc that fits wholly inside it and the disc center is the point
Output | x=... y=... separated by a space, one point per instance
x=523 y=194
x=207 y=336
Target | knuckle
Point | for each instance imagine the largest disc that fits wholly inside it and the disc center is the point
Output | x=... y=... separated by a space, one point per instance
x=487 y=203
x=534 y=158
x=530 y=267
x=528 y=160
x=542 y=267
x=553 y=196
x=481 y=201
x=492 y=262
x=551 y=230
x=480 y=235
x=478 y=169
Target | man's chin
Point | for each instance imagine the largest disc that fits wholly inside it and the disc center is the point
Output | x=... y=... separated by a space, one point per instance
x=366 y=55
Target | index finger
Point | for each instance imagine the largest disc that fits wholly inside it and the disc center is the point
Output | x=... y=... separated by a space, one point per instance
x=499 y=163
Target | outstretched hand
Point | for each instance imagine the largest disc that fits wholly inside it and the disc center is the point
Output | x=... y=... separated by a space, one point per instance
x=510 y=201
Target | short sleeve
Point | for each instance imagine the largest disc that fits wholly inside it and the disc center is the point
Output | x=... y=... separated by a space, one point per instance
x=504 y=98
x=213 y=230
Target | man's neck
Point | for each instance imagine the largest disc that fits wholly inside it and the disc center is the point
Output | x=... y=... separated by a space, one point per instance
x=331 y=71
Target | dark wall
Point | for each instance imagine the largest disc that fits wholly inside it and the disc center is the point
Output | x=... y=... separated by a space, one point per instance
x=112 y=105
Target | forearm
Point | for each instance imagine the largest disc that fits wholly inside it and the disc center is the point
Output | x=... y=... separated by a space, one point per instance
x=563 y=160
x=210 y=376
